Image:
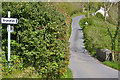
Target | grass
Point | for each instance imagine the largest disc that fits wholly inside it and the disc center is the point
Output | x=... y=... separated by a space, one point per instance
x=72 y=9
x=96 y=35
x=65 y=7
x=68 y=74
x=17 y=73
x=26 y=74
x=77 y=14
x=113 y=64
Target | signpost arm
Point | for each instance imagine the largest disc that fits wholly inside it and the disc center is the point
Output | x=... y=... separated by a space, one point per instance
x=9 y=40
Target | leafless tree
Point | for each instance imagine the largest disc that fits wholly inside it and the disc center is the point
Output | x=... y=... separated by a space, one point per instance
x=113 y=37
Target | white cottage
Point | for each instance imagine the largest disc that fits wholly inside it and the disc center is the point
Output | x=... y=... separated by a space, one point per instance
x=102 y=12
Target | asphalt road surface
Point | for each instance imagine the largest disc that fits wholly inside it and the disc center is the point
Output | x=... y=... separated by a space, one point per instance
x=82 y=64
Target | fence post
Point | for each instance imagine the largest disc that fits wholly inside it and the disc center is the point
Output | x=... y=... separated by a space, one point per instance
x=113 y=57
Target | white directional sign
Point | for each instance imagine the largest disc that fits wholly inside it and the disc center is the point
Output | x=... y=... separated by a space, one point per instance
x=9 y=20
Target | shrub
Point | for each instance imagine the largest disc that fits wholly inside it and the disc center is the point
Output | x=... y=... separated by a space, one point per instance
x=84 y=20
x=90 y=21
x=99 y=15
x=39 y=38
x=15 y=63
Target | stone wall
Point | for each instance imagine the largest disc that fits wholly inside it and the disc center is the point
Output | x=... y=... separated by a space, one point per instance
x=104 y=54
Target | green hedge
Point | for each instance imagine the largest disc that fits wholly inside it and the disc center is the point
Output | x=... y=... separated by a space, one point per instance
x=96 y=35
x=99 y=15
x=38 y=39
x=84 y=20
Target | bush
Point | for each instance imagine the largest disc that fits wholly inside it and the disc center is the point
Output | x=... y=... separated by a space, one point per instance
x=15 y=63
x=84 y=20
x=90 y=21
x=39 y=38
x=99 y=15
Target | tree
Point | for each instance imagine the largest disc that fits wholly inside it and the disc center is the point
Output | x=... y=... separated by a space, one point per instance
x=113 y=37
x=107 y=7
x=119 y=30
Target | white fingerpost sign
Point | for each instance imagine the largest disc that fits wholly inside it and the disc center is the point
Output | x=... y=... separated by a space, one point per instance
x=9 y=20
x=9 y=29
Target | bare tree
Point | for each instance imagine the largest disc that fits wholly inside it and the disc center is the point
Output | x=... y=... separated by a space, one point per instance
x=113 y=37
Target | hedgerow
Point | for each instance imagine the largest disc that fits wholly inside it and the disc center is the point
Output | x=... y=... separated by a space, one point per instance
x=39 y=39
x=96 y=35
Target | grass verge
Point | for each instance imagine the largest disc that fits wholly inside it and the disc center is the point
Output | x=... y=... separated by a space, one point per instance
x=26 y=74
x=113 y=64
x=96 y=35
x=78 y=14
x=68 y=74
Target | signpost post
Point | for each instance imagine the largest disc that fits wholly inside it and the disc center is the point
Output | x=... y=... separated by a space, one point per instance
x=9 y=40
x=9 y=29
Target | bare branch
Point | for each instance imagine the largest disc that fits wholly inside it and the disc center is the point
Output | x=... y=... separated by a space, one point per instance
x=109 y=7
x=108 y=30
x=116 y=22
x=105 y=11
x=116 y=32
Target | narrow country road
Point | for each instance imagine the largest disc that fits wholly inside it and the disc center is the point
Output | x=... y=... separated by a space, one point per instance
x=82 y=64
